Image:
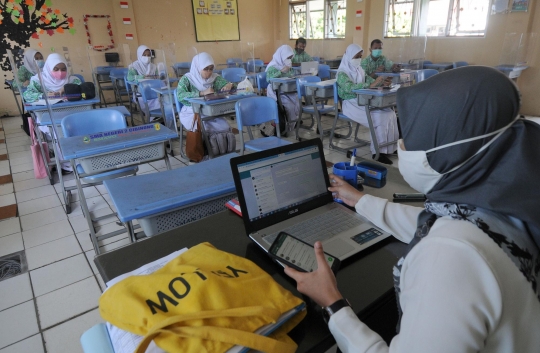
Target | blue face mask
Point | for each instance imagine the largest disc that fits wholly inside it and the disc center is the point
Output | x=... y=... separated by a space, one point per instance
x=376 y=53
x=40 y=63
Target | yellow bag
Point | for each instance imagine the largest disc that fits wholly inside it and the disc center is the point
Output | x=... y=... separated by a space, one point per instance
x=205 y=300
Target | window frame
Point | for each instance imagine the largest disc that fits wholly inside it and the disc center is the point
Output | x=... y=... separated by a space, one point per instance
x=307 y=29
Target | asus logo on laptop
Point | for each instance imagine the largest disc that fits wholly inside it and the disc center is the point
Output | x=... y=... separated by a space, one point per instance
x=293 y=211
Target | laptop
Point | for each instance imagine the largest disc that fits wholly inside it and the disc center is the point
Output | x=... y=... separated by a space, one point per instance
x=309 y=67
x=286 y=189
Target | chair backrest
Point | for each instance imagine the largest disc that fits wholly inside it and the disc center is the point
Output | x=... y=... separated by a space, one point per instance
x=422 y=75
x=460 y=64
x=233 y=74
x=316 y=58
x=234 y=62
x=181 y=68
x=145 y=89
x=80 y=77
x=426 y=62
x=300 y=89
x=324 y=71
x=120 y=72
x=261 y=80
x=251 y=65
x=92 y=121
x=256 y=110
x=177 y=103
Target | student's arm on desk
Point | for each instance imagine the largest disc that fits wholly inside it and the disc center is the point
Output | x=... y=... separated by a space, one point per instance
x=394 y=218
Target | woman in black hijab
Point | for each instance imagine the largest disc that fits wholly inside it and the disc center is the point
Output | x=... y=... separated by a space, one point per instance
x=469 y=279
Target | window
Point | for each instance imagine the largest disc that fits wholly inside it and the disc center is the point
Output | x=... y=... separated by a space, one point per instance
x=442 y=18
x=317 y=19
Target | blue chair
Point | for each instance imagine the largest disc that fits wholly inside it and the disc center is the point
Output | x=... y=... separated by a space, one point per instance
x=97 y=339
x=460 y=64
x=426 y=62
x=253 y=112
x=145 y=89
x=316 y=58
x=254 y=65
x=306 y=104
x=337 y=116
x=262 y=83
x=234 y=74
x=422 y=75
x=234 y=62
x=104 y=82
x=324 y=72
x=80 y=77
x=181 y=127
x=181 y=68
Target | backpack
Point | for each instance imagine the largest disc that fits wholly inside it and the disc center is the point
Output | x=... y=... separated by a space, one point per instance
x=222 y=142
x=74 y=92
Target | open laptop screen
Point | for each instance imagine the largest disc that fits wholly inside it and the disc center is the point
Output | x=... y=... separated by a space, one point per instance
x=282 y=181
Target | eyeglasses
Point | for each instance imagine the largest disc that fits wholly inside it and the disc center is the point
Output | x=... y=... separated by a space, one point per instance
x=208 y=69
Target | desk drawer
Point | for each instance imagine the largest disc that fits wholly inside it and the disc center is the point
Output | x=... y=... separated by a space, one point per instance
x=120 y=159
x=218 y=109
x=321 y=92
x=284 y=87
x=172 y=219
x=379 y=102
x=75 y=109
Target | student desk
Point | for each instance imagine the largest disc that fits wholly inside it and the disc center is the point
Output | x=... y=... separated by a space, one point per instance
x=439 y=66
x=214 y=108
x=375 y=99
x=333 y=63
x=117 y=90
x=172 y=198
x=511 y=71
x=365 y=279
x=110 y=150
x=162 y=94
x=37 y=111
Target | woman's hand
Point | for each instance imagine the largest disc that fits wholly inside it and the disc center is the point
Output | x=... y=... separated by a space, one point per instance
x=320 y=285
x=378 y=82
x=285 y=69
x=209 y=90
x=344 y=191
x=26 y=83
x=388 y=81
x=227 y=87
x=53 y=94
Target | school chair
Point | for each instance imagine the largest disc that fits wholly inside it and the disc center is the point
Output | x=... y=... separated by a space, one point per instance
x=234 y=62
x=254 y=65
x=422 y=75
x=120 y=88
x=324 y=72
x=181 y=126
x=316 y=58
x=306 y=105
x=337 y=116
x=233 y=74
x=426 y=62
x=460 y=64
x=104 y=82
x=253 y=112
x=262 y=84
x=80 y=77
x=182 y=68
x=96 y=339
x=86 y=123
x=145 y=89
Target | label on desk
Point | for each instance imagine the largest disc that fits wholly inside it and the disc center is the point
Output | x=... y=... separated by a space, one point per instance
x=100 y=136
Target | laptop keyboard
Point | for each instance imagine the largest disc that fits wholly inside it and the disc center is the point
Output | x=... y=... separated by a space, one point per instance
x=320 y=227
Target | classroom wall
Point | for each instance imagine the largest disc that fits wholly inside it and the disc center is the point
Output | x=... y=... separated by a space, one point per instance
x=76 y=43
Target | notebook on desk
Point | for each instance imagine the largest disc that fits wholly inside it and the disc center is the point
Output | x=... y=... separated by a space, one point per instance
x=286 y=189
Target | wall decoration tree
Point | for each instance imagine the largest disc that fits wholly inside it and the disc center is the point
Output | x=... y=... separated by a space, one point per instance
x=21 y=20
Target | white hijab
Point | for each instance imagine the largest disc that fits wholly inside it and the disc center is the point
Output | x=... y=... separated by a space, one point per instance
x=140 y=66
x=281 y=54
x=355 y=73
x=199 y=62
x=28 y=60
x=52 y=84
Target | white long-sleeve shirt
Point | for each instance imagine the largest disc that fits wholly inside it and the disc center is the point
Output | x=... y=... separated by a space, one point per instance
x=459 y=292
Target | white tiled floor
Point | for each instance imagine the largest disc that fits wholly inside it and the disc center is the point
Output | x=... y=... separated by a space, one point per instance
x=48 y=308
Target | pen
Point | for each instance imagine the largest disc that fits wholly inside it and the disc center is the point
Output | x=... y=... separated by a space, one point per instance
x=353 y=157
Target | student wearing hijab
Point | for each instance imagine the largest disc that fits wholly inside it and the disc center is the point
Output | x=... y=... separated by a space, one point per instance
x=351 y=76
x=281 y=66
x=200 y=81
x=469 y=280
x=55 y=77
x=29 y=67
x=142 y=69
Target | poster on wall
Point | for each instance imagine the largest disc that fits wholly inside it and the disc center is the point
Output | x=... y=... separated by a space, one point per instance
x=520 y=5
x=216 y=20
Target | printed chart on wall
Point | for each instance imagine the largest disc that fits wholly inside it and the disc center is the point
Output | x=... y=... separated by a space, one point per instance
x=216 y=20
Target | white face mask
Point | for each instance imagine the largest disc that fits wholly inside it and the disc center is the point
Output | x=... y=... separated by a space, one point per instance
x=288 y=62
x=356 y=62
x=414 y=165
x=145 y=59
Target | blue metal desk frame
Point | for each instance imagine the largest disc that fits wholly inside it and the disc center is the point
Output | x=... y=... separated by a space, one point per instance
x=161 y=94
x=119 y=145
x=280 y=82
x=374 y=99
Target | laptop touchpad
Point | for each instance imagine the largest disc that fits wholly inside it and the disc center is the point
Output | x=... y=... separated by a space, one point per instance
x=337 y=247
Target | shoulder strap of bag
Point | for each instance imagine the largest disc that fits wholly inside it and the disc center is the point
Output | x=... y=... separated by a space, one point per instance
x=220 y=334
x=196 y=120
x=32 y=131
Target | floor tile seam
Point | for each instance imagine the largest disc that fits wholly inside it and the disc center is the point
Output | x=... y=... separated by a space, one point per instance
x=66 y=320
x=67 y=285
x=47 y=242
x=50 y=263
